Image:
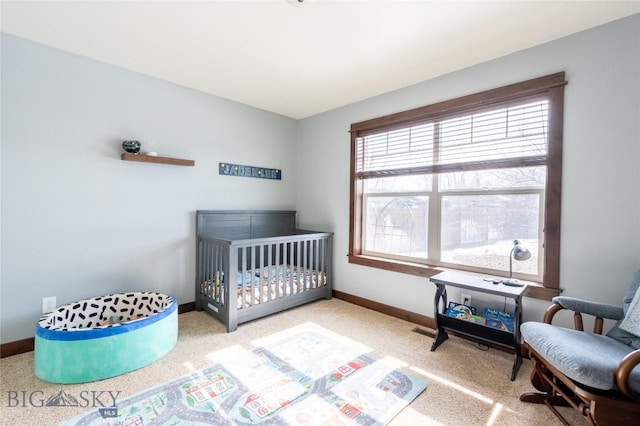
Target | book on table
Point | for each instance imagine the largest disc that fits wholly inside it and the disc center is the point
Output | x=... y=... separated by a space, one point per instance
x=464 y=312
x=498 y=319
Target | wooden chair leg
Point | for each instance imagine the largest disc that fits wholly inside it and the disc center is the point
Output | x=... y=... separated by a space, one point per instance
x=557 y=414
x=544 y=398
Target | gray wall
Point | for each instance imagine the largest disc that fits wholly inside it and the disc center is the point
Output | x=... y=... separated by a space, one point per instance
x=601 y=184
x=76 y=220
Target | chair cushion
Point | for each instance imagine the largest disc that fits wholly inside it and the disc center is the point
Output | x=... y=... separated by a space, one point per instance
x=624 y=337
x=631 y=321
x=587 y=358
x=631 y=291
x=616 y=331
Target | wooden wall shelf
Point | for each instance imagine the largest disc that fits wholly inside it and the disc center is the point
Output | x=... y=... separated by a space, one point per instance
x=153 y=159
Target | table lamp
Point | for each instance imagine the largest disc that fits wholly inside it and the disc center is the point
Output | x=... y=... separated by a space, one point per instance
x=518 y=252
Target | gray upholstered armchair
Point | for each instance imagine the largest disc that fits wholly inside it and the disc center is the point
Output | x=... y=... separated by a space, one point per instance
x=598 y=375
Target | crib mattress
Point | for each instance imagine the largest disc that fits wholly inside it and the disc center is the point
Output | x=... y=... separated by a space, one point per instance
x=265 y=284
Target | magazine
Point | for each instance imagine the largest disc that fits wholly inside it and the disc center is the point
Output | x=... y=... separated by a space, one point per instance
x=498 y=319
x=464 y=312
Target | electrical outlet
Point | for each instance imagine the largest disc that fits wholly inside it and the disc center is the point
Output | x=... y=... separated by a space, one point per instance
x=48 y=304
x=465 y=299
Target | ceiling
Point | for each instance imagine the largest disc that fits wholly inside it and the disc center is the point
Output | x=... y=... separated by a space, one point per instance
x=300 y=58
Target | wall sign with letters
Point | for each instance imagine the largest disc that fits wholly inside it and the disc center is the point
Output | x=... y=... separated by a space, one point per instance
x=229 y=169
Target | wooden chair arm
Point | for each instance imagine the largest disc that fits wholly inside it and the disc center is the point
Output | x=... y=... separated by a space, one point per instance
x=622 y=374
x=577 y=318
x=551 y=311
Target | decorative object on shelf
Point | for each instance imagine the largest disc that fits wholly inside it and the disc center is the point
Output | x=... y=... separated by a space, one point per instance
x=518 y=252
x=151 y=153
x=229 y=169
x=132 y=147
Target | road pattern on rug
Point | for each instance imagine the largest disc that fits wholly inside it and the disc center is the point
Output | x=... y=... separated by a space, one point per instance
x=306 y=375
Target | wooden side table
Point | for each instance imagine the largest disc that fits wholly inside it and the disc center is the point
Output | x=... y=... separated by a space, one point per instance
x=481 y=332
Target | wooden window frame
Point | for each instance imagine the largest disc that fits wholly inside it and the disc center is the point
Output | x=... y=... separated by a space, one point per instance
x=552 y=87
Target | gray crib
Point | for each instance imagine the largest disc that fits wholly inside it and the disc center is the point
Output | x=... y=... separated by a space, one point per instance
x=253 y=263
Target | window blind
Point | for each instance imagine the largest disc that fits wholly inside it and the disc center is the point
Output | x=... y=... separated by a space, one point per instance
x=505 y=136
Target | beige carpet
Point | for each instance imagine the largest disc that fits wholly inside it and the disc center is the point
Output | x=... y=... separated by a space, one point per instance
x=466 y=385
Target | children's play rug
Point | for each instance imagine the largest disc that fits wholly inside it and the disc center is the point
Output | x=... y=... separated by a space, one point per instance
x=306 y=375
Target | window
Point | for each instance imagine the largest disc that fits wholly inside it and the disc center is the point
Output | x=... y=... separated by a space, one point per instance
x=454 y=183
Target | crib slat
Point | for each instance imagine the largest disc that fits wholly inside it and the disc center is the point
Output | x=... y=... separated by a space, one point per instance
x=246 y=251
x=255 y=287
x=207 y=291
x=302 y=272
x=315 y=266
x=298 y=262
x=322 y=266
x=272 y=279
x=218 y=272
x=280 y=290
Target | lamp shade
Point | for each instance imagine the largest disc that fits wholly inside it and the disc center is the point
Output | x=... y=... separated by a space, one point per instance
x=518 y=252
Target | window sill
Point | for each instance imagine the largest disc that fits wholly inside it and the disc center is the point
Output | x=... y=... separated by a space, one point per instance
x=534 y=290
x=395 y=265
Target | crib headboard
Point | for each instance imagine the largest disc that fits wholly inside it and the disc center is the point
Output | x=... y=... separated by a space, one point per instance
x=245 y=224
